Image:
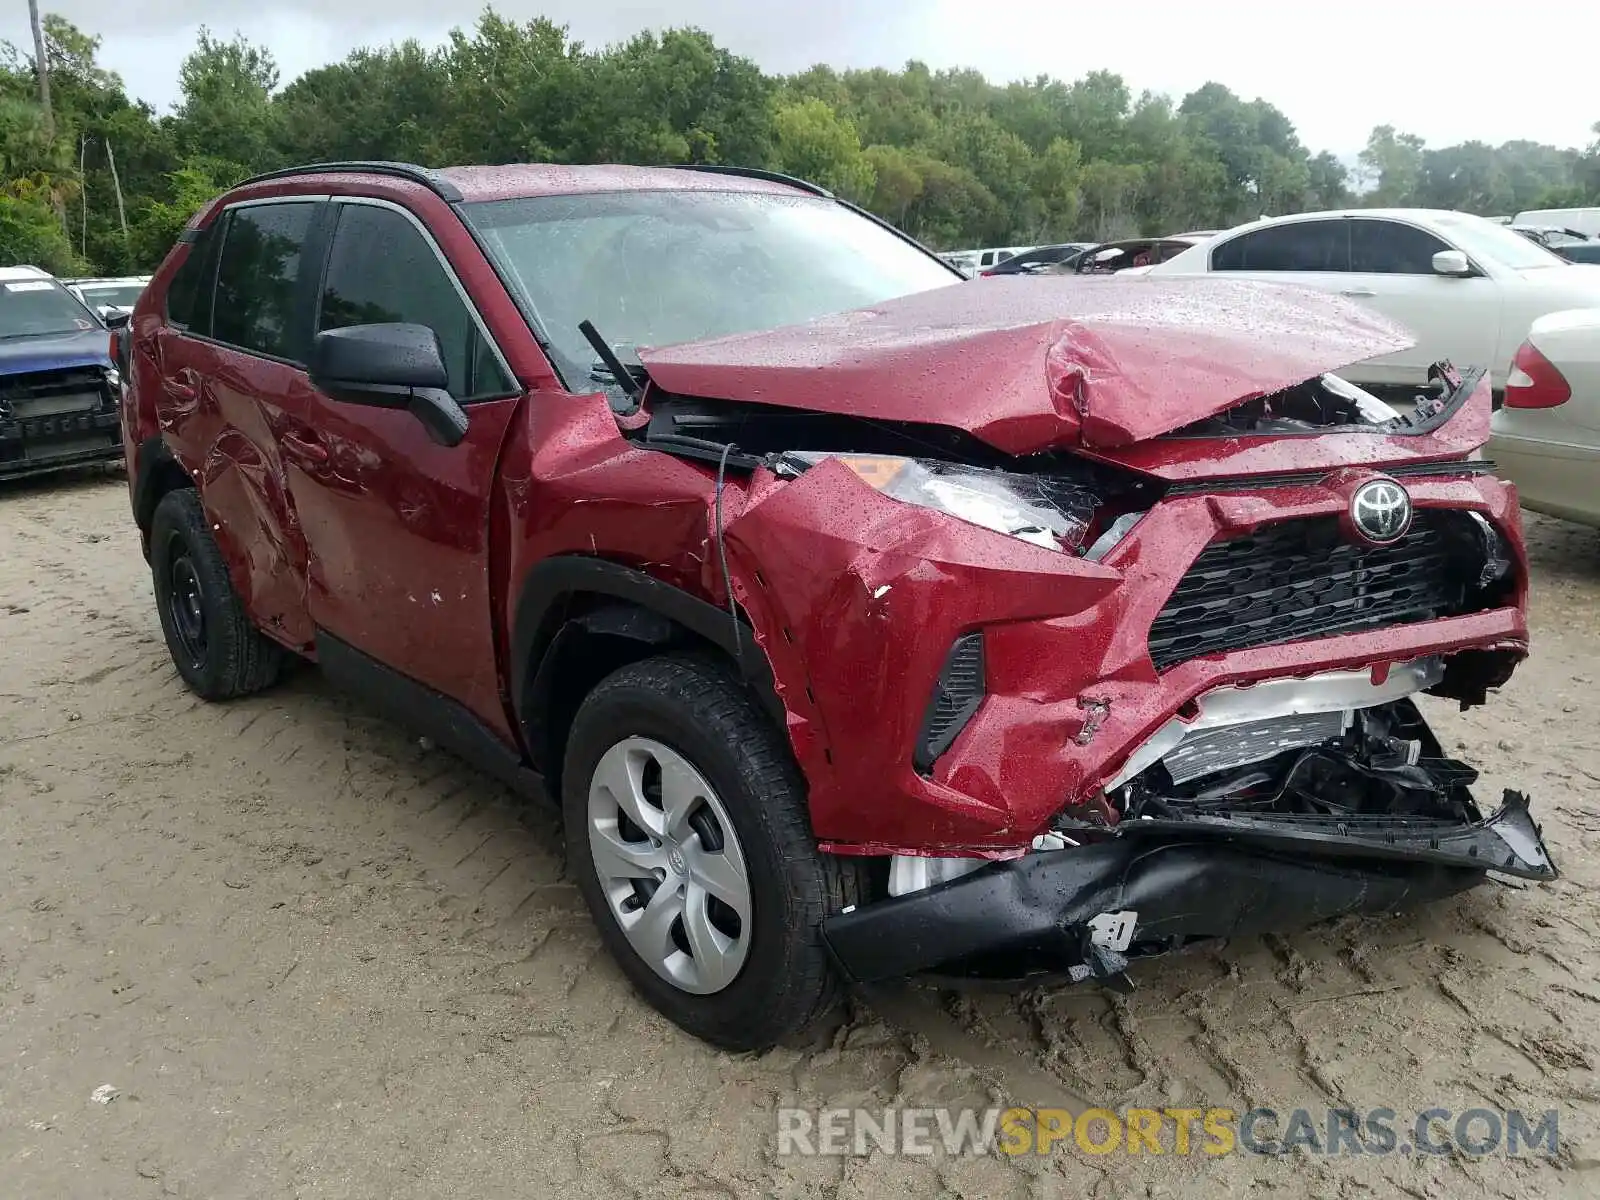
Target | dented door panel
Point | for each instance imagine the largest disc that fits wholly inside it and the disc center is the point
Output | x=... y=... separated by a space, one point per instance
x=221 y=428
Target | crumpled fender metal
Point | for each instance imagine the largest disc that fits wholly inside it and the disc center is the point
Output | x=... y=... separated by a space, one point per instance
x=868 y=593
x=249 y=512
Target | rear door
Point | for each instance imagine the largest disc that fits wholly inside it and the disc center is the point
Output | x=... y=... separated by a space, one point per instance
x=231 y=365
x=1454 y=317
x=1310 y=253
x=397 y=525
x=1317 y=254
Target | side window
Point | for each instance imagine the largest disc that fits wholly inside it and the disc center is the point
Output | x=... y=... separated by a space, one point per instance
x=1292 y=246
x=1390 y=248
x=189 y=293
x=381 y=269
x=257 y=277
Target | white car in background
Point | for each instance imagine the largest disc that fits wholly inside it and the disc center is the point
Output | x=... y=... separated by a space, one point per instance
x=1467 y=288
x=108 y=297
x=1546 y=438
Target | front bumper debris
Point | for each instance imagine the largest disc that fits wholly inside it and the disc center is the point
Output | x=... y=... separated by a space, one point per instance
x=1155 y=885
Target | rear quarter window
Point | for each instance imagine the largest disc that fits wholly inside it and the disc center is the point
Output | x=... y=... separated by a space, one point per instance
x=188 y=299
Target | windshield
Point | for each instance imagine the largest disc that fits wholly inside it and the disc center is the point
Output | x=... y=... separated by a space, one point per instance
x=34 y=307
x=657 y=268
x=1485 y=239
x=116 y=295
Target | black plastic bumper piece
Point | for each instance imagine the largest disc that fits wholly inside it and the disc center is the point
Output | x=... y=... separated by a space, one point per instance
x=1181 y=887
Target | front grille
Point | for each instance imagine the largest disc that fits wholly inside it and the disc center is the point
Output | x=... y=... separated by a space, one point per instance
x=1299 y=579
x=51 y=393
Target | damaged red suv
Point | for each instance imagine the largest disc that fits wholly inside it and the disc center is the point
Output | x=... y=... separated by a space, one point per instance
x=865 y=622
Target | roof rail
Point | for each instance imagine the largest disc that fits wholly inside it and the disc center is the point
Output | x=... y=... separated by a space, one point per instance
x=804 y=185
x=432 y=180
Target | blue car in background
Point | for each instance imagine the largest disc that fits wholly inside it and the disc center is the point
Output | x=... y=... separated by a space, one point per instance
x=58 y=387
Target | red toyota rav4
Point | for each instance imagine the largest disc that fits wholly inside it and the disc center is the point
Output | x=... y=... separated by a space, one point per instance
x=866 y=622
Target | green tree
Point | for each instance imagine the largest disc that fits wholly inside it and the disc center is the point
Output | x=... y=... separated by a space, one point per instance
x=814 y=142
x=157 y=223
x=896 y=182
x=950 y=156
x=1392 y=166
x=227 y=114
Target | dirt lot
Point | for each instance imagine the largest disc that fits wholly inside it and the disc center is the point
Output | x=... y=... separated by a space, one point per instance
x=318 y=960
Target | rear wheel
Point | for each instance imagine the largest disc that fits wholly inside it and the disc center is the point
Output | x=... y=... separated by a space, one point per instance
x=686 y=830
x=216 y=649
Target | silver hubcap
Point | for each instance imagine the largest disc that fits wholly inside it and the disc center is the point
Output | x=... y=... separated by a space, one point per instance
x=670 y=865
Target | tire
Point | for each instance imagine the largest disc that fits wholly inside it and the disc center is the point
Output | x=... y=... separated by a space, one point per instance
x=692 y=707
x=216 y=649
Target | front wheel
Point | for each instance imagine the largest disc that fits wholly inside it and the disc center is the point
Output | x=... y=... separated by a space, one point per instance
x=686 y=829
x=216 y=649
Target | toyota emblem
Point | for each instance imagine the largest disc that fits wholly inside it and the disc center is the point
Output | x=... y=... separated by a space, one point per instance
x=1381 y=511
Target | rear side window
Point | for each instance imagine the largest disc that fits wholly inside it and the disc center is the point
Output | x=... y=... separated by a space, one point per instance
x=1390 y=248
x=381 y=269
x=257 y=278
x=1294 y=246
x=189 y=293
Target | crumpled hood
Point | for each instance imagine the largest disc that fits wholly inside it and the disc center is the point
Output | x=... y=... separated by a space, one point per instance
x=55 y=351
x=1027 y=364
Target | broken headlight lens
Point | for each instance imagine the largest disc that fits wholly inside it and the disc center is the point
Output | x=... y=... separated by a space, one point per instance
x=1036 y=509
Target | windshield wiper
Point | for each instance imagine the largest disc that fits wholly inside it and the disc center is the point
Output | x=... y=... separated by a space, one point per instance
x=632 y=385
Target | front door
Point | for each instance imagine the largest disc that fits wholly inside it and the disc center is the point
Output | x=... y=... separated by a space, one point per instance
x=1453 y=317
x=397 y=526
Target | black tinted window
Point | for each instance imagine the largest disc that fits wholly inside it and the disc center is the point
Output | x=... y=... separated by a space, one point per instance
x=1390 y=248
x=1294 y=246
x=189 y=293
x=380 y=270
x=257 y=278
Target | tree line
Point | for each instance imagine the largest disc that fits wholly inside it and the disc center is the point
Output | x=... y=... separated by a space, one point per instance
x=102 y=183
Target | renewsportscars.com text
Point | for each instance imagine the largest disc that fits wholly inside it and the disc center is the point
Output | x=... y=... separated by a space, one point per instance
x=1475 y=1132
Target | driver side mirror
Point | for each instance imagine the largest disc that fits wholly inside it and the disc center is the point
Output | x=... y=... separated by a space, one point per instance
x=115 y=318
x=1451 y=262
x=392 y=365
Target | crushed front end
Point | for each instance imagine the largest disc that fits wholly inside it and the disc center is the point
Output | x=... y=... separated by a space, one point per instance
x=1101 y=668
x=52 y=417
x=1199 y=721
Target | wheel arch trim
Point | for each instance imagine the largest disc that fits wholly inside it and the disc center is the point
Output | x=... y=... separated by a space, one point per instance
x=541 y=616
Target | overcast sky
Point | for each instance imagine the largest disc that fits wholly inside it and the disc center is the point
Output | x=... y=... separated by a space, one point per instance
x=1448 y=72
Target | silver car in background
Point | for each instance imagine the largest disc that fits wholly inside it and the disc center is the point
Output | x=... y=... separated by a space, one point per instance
x=108 y=297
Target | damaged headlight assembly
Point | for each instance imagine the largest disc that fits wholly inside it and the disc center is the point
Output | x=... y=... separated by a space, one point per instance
x=1051 y=513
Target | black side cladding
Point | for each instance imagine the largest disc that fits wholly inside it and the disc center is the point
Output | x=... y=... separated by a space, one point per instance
x=956 y=697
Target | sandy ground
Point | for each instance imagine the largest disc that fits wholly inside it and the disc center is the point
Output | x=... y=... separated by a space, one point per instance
x=317 y=960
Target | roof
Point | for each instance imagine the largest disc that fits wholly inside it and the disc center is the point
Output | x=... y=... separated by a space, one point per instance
x=23 y=272
x=549 y=179
x=107 y=280
x=516 y=180
x=1394 y=214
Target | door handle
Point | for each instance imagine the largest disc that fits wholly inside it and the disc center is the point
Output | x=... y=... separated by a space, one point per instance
x=1358 y=292
x=304 y=451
